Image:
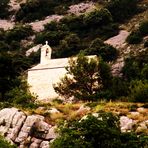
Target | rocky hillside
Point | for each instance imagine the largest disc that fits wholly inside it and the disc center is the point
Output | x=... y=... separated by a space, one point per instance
x=115 y=31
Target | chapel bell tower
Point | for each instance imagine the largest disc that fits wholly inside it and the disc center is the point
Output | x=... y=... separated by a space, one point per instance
x=45 y=54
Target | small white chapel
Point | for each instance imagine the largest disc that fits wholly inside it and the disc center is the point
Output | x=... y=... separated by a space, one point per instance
x=48 y=72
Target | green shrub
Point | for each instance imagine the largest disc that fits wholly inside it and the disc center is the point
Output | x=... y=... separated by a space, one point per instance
x=131 y=69
x=135 y=37
x=60 y=10
x=74 y=23
x=122 y=9
x=21 y=96
x=4 y=46
x=119 y=87
x=139 y=91
x=97 y=47
x=98 y=18
x=135 y=67
x=145 y=44
x=18 y=33
x=35 y=9
x=5 y=144
x=84 y=82
x=92 y=132
x=11 y=67
x=144 y=72
x=4 y=8
x=54 y=32
x=143 y=28
x=69 y=46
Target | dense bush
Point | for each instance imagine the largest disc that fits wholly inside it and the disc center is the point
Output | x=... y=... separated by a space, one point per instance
x=98 y=18
x=11 y=66
x=119 y=88
x=38 y=9
x=69 y=46
x=139 y=91
x=143 y=28
x=92 y=132
x=4 y=8
x=146 y=44
x=136 y=67
x=10 y=39
x=35 y=9
x=97 y=47
x=122 y=9
x=20 y=96
x=83 y=27
x=135 y=37
x=54 y=32
x=18 y=33
x=86 y=79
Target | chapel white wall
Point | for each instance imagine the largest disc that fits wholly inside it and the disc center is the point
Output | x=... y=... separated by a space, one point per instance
x=41 y=82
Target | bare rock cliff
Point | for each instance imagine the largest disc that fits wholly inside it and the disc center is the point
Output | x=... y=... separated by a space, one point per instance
x=25 y=131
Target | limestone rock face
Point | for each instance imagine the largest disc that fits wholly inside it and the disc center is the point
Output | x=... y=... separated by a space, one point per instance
x=25 y=130
x=6 y=119
x=126 y=124
x=27 y=127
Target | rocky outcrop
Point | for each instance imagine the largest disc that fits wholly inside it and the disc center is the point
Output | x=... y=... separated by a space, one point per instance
x=81 y=8
x=126 y=124
x=26 y=131
x=118 y=41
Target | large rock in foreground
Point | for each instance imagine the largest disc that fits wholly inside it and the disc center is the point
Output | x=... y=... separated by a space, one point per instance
x=25 y=131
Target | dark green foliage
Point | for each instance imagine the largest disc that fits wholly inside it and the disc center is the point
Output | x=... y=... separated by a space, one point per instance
x=35 y=9
x=143 y=28
x=18 y=33
x=135 y=71
x=11 y=67
x=69 y=46
x=85 y=81
x=139 y=91
x=4 y=8
x=97 y=47
x=60 y=10
x=105 y=74
x=89 y=79
x=85 y=28
x=136 y=67
x=134 y=37
x=38 y=9
x=119 y=87
x=98 y=18
x=20 y=96
x=122 y=9
x=74 y=23
x=5 y=144
x=4 y=46
x=54 y=32
x=92 y=132
x=146 y=44
x=10 y=39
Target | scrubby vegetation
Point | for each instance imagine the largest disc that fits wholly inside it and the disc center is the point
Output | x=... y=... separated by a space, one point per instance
x=95 y=132
x=92 y=80
x=75 y=33
x=136 y=36
x=38 y=9
x=87 y=80
x=4 y=8
x=5 y=144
